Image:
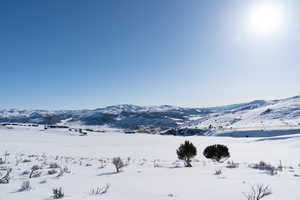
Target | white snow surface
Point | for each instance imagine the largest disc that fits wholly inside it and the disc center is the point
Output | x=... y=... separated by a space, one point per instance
x=140 y=179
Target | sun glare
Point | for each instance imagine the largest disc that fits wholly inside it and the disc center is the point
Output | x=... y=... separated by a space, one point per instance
x=266 y=19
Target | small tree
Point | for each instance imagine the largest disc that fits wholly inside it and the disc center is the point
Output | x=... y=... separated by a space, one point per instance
x=185 y=152
x=216 y=152
x=118 y=163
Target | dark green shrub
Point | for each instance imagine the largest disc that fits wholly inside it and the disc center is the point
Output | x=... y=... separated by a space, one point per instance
x=217 y=152
x=185 y=152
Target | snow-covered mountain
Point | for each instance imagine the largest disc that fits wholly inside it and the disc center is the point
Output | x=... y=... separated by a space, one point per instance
x=122 y=116
x=254 y=114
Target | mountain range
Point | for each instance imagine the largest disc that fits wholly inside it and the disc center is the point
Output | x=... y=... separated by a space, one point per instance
x=254 y=114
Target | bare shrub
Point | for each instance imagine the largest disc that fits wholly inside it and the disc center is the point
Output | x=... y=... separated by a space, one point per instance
x=60 y=173
x=25 y=186
x=171 y=195
x=261 y=166
x=102 y=163
x=118 y=163
x=43 y=181
x=52 y=171
x=34 y=171
x=266 y=167
x=280 y=166
x=232 y=165
x=6 y=178
x=58 y=193
x=36 y=174
x=258 y=192
x=6 y=154
x=54 y=165
x=66 y=170
x=273 y=171
x=25 y=172
x=100 y=190
x=218 y=172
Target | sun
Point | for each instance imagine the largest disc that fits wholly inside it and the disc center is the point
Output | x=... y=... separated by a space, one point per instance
x=266 y=19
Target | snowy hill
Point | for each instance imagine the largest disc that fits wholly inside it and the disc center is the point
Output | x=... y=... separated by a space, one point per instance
x=254 y=115
x=122 y=116
x=257 y=115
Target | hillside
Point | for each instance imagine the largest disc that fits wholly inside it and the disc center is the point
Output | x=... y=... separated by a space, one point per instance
x=256 y=115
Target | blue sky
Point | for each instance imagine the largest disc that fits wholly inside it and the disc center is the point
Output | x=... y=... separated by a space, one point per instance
x=64 y=54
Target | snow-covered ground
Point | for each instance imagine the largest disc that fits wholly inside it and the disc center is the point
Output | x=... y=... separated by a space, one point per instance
x=152 y=172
